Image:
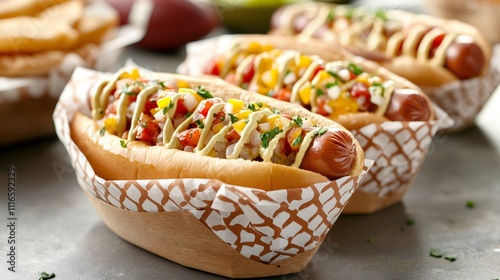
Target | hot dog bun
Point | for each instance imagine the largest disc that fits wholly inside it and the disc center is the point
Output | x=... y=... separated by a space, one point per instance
x=413 y=105
x=426 y=50
x=138 y=160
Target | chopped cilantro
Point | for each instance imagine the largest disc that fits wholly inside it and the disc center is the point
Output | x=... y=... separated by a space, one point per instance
x=297 y=140
x=233 y=118
x=170 y=106
x=330 y=85
x=255 y=106
x=45 y=276
x=436 y=253
x=319 y=92
x=331 y=16
x=320 y=131
x=356 y=70
x=470 y=204
x=410 y=222
x=450 y=258
x=203 y=92
x=142 y=124
x=123 y=143
x=335 y=75
x=297 y=120
x=102 y=131
x=275 y=111
x=381 y=14
x=199 y=123
x=268 y=136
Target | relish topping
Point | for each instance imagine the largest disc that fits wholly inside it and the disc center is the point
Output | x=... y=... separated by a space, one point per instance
x=173 y=115
x=330 y=89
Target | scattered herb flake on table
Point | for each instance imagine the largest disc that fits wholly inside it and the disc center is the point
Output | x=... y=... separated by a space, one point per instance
x=45 y=276
x=470 y=204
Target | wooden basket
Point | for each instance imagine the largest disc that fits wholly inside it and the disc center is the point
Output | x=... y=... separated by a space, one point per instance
x=181 y=238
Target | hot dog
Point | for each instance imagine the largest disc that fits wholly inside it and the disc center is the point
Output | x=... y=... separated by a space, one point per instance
x=341 y=89
x=426 y=50
x=173 y=126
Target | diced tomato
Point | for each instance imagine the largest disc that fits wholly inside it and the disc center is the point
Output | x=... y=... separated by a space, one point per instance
x=181 y=109
x=317 y=70
x=321 y=107
x=148 y=132
x=435 y=44
x=207 y=104
x=219 y=117
x=149 y=105
x=248 y=72
x=283 y=94
x=189 y=137
x=212 y=67
x=359 y=91
x=232 y=136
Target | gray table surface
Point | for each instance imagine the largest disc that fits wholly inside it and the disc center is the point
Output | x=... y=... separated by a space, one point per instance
x=58 y=230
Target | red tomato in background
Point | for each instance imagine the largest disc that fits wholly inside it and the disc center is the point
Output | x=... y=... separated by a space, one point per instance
x=173 y=23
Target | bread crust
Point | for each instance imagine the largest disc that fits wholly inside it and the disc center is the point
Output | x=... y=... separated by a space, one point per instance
x=139 y=161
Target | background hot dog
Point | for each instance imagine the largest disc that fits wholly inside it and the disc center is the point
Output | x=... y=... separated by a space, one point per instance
x=386 y=35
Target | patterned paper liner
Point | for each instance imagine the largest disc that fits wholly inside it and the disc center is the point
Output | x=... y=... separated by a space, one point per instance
x=46 y=89
x=463 y=100
x=263 y=226
x=398 y=148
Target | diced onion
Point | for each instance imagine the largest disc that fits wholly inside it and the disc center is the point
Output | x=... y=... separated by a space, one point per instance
x=344 y=74
x=307 y=124
x=230 y=150
x=255 y=138
x=333 y=92
x=228 y=108
x=190 y=102
x=264 y=127
x=290 y=78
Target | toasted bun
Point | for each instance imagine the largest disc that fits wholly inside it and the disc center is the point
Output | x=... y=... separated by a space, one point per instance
x=16 y=8
x=139 y=161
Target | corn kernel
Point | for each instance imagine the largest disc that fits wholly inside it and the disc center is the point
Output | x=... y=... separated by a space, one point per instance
x=269 y=78
x=163 y=102
x=344 y=104
x=266 y=48
x=237 y=104
x=217 y=128
x=132 y=74
x=305 y=94
x=254 y=47
x=304 y=61
x=243 y=114
x=274 y=121
x=154 y=111
x=110 y=124
x=182 y=84
x=239 y=126
x=323 y=74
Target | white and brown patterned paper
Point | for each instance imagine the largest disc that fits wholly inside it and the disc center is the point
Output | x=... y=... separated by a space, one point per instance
x=463 y=100
x=263 y=226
